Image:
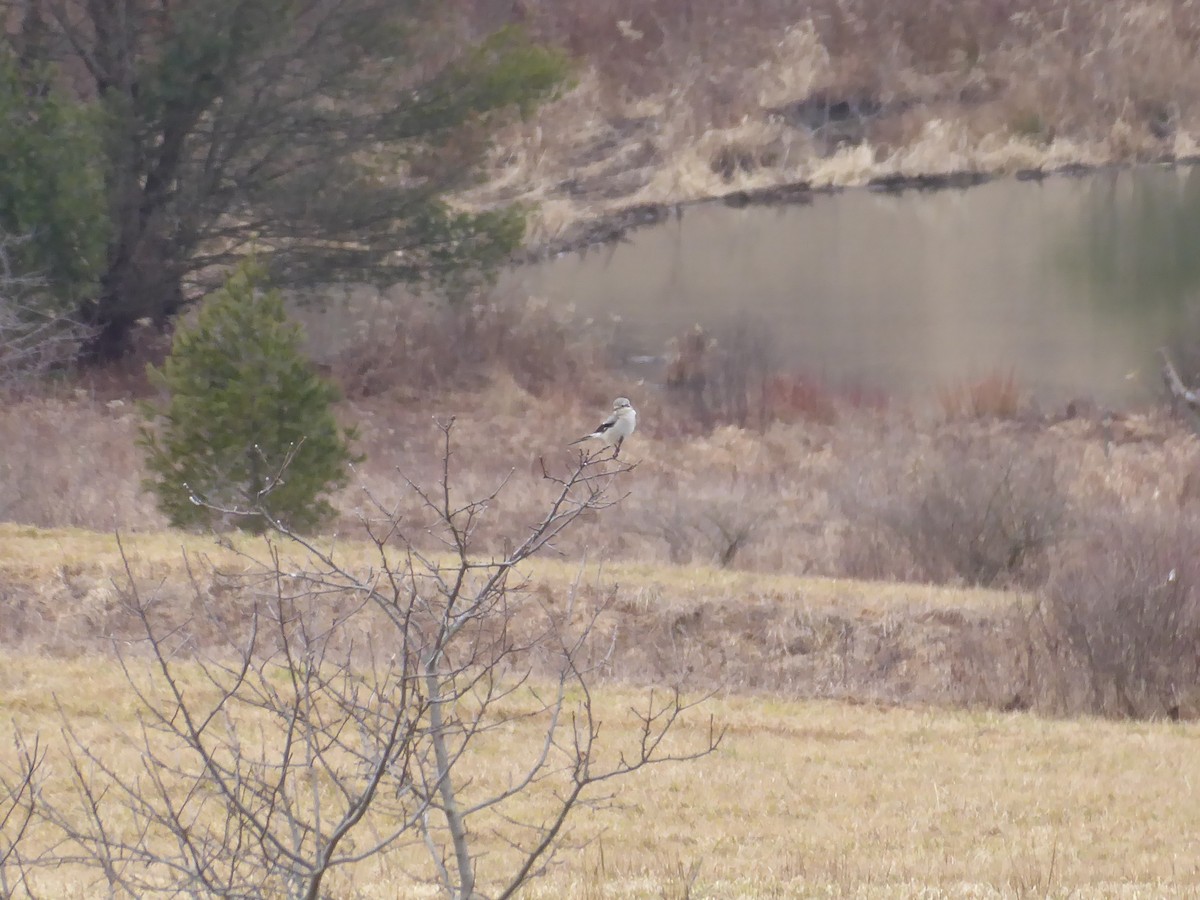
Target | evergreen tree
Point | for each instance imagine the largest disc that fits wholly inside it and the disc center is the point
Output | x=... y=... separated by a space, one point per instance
x=52 y=201
x=328 y=134
x=247 y=424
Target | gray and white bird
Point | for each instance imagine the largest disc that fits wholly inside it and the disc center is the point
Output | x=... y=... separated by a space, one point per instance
x=616 y=427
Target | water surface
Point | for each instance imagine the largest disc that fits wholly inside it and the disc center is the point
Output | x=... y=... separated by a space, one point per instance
x=1070 y=283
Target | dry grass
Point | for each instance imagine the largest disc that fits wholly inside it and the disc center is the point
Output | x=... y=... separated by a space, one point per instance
x=995 y=395
x=72 y=461
x=789 y=507
x=808 y=799
x=699 y=626
x=681 y=100
x=805 y=798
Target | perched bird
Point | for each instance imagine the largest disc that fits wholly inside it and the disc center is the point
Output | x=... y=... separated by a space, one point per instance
x=616 y=427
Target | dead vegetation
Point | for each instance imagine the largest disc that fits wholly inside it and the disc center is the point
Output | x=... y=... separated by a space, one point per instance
x=397 y=344
x=995 y=395
x=816 y=485
x=984 y=509
x=779 y=537
x=723 y=568
x=1121 y=617
x=789 y=512
x=337 y=710
x=732 y=376
x=804 y=798
x=676 y=100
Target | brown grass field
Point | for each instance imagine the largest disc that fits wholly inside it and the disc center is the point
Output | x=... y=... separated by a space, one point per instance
x=896 y=723
x=876 y=596
x=866 y=753
x=803 y=799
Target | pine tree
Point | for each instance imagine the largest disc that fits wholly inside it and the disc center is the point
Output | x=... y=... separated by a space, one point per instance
x=52 y=201
x=247 y=425
x=332 y=134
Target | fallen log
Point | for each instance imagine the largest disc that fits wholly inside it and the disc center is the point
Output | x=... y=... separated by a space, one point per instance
x=1175 y=385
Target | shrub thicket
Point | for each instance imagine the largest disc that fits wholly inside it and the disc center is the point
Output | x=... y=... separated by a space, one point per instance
x=1121 y=617
x=247 y=430
x=978 y=511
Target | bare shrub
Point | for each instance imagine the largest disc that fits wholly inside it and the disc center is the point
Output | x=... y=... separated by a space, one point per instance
x=1121 y=617
x=418 y=345
x=731 y=377
x=984 y=511
x=36 y=339
x=35 y=343
x=354 y=709
x=704 y=520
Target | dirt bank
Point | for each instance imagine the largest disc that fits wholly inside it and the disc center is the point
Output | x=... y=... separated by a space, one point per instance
x=676 y=102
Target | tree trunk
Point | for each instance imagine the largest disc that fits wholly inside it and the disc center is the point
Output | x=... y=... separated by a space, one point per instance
x=143 y=282
x=111 y=341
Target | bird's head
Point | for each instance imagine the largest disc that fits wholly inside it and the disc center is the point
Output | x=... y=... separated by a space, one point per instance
x=621 y=403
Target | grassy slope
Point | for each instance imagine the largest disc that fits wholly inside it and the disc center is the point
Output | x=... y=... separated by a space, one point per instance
x=679 y=101
x=29 y=553
x=792 y=635
x=805 y=798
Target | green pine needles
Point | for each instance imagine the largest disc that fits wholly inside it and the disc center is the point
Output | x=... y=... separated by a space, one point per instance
x=247 y=430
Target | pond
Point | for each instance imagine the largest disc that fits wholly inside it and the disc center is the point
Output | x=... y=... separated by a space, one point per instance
x=1069 y=283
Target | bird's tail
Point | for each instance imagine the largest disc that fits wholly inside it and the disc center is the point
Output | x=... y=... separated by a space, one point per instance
x=580 y=441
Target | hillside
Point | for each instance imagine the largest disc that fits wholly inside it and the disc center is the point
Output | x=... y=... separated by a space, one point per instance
x=676 y=101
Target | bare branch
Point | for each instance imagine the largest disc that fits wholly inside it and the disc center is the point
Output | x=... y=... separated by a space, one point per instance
x=19 y=797
x=1178 y=391
x=301 y=748
x=36 y=338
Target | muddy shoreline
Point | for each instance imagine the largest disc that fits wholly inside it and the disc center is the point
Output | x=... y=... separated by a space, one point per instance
x=614 y=227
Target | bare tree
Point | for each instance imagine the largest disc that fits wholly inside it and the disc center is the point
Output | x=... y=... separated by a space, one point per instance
x=19 y=793
x=34 y=337
x=347 y=717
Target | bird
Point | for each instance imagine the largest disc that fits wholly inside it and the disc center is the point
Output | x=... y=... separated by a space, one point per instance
x=616 y=427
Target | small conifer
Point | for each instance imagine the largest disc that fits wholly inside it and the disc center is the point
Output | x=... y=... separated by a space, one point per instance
x=246 y=425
